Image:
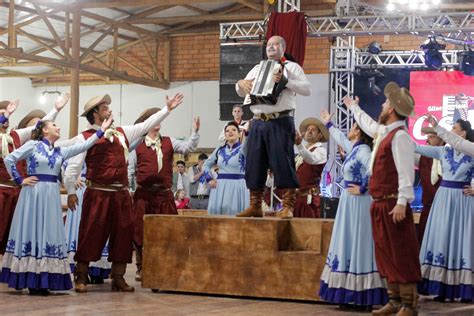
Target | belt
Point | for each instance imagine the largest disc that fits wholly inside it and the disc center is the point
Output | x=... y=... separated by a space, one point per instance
x=105 y=187
x=154 y=188
x=314 y=190
x=230 y=176
x=454 y=184
x=271 y=116
x=386 y=197
x=45 y=177
x=8 y=183
x=346 y=183
x=200 y=197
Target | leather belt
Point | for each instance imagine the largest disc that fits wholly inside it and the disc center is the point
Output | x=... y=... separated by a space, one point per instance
x=105 y=187
x=154 y=188
x=312 y=191
x=8 y=183
x=386 y=197
x=200 y=197
x=271 y=116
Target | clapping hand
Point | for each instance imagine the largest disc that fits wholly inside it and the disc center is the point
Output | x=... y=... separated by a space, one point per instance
x=432 y=120
x=196 y=124
x=325 y=116
x=298 y=138
x=106 y=123
x=11 y=108
x=350 y=102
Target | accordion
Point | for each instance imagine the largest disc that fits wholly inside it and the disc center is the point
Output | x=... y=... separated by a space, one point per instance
x=265 y=90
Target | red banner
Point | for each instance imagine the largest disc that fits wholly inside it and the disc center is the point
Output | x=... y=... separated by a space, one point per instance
x=448 y=95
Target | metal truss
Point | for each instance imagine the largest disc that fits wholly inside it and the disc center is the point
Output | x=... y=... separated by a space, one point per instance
x=455 y=25
x=402 y=59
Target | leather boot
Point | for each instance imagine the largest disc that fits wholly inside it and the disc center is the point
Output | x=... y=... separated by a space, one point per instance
x=288 y=204
x=81 y=276
x=255 y=208
x=138 y=257
x=394 y=304
x=409 y=297
x=118 y=282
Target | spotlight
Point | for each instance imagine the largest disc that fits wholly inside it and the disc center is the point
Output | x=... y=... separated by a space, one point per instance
x=433 y=58
x=466 y=62
x=374 y=48
x=373 y=87
x=42 y=99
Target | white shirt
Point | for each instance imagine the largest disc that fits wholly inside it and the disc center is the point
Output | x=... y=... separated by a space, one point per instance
x=315 y=157
x=456 y=141
x=403 y=151
x=25 y=133
x=297 y=84
x=132 y=132
x=203 y=188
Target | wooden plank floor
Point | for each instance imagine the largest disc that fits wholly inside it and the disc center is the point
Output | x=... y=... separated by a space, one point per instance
x=100 y=301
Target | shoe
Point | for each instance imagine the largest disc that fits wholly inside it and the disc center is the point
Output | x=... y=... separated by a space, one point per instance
x=40 y=292
x=255 y=208
x=96 y=280
x=288 y=204
x=118 y=282
x=81 y=276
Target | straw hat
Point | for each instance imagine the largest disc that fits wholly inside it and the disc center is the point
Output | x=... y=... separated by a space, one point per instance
x=95 y=101
x=146 y=114
x=400 y=99
x=429 y=130
x=314 y=121
x=4 y=104
x=33 y=114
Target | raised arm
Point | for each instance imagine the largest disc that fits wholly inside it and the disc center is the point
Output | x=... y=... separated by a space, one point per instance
x=456 y=141
x=435 y=152
x=366 y=123
x=136 y=131
x=190 y=145
x=316 y=157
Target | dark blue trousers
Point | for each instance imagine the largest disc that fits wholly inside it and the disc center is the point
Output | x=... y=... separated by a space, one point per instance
x=270 y=145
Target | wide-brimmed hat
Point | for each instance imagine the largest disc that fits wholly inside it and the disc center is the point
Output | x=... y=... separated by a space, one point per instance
x=429 y=130
x=146 y=114
x=33 y=114
x=314 y=121
x=4 y=104
x=400 y=99
x=95 y=101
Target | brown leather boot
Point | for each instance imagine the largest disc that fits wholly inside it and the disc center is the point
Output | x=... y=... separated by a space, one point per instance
x=409 y=297
x=80 y=277
x=288 y=204
x=255 y=208
x=118 y=282
x=138 y=258
x=394 y=304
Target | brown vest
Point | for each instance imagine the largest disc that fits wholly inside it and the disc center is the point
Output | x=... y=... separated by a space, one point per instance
x=105 y=161
x=20 y=166
x=309 y=175
x=429 y=190
x=384 y=179
x=147 y=164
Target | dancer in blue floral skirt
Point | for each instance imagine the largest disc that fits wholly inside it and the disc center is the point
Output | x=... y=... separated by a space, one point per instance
x=36 y=256
x=350 y=277
x=230 y=194
x=447 y=252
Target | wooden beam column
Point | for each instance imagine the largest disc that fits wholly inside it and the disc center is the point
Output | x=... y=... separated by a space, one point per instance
x=76 y=51
x=166 y=60
x=11 y=25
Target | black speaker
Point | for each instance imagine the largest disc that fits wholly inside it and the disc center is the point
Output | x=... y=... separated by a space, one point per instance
x=236 y=61
x=329 y=207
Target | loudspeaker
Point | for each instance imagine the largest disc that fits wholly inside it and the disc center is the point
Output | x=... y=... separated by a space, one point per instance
x=236 y=61
x=329 y=207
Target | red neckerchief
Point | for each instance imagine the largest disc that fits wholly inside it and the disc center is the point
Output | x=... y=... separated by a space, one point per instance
x=282 y=60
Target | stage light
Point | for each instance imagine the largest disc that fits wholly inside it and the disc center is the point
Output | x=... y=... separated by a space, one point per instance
x=390 y=6
x=374 y=48
x=373 y=87
x=42 y=99
x=466 y=62
x=433 y=58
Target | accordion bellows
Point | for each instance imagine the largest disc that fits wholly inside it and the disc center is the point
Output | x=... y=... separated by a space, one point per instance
x=263 y=86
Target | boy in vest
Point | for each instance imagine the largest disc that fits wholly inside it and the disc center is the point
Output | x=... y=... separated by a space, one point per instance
x=107 y=204
x=152 y=163
x=391 y=187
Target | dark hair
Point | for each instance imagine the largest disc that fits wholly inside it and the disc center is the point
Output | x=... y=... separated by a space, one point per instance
x=37 y=133
x=232 y=123
x=366 y=139
x=238 y=106
x=90 y=116
x=202 y=156
x=466 y=126
x=180 y=162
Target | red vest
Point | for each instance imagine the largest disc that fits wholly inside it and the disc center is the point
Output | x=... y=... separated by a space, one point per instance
x=20 y=166
x=384 y=179
x=429 y=190
x=105 y=161
x=309 y=175
x=147 y=164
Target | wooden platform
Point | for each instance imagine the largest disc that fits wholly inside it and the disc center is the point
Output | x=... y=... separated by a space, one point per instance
x=263 y=257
